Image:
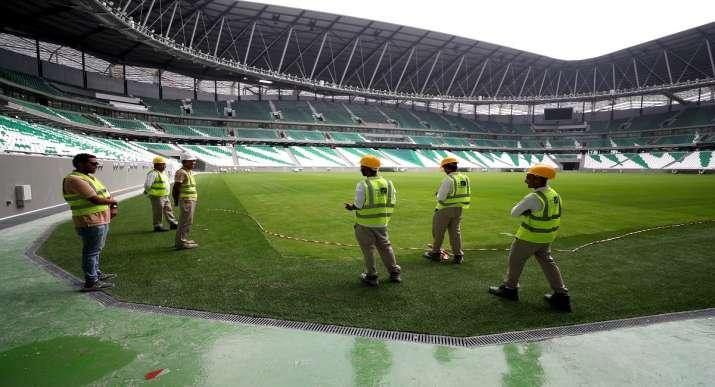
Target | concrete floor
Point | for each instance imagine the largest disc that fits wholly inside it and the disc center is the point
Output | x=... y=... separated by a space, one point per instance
x=54 y=335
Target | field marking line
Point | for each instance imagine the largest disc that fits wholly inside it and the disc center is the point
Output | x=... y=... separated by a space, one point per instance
x=573 y=250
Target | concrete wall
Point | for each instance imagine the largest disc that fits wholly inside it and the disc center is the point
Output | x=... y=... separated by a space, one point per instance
x=44 y=175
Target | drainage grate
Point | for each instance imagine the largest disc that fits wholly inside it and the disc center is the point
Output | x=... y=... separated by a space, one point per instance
x=475 y=341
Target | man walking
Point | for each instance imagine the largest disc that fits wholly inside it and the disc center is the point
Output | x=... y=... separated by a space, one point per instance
x=541 y=212
x=92 y=209
x=185 y=196
x=374 y=202
x=156 y=188
x=453 y=197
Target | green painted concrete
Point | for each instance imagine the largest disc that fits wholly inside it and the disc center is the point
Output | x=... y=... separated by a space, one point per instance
x=53 y=335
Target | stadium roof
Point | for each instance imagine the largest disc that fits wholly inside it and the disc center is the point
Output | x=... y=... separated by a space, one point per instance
x=347 y=51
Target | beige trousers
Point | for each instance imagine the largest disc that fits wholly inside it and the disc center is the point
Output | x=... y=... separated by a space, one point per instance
x=521 y=251
x=447 y=219
x=376 y=237
x=161 y=208
x=186 y=219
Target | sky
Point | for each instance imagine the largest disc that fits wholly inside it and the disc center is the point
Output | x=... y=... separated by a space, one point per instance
x=560 y=29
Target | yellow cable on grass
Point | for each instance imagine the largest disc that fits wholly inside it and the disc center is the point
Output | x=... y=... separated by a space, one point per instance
x=331 y=243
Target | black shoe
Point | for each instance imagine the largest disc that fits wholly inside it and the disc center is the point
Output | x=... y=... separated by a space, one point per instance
x=95 y=286
x=106 y=276
x=370 y=280
x=559 y=301
x=432 y=256
x=395 y=277
x=173 y=226
x=458 y=259
x=504 y=292
x=159 y=229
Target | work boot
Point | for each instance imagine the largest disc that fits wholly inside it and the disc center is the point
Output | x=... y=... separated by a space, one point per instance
x=106 y=276
x=370 y=280
x=458 y=259
x=432 y=256
x=395 y=277
x=159 y=229
x=559 y=301
x=504 y=292
x=186 y=246
x=173 y=226
x=96 y=286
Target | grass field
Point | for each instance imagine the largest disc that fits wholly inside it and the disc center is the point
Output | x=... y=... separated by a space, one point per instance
x=238 y=269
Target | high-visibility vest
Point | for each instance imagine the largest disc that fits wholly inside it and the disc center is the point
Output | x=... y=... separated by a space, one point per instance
x=81 y=206
x=159 y=187
x=188 y=187
x=379 y=204
x=460 y=193
x=542 y=227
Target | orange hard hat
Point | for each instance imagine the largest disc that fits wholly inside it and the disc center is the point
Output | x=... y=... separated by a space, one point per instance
x=543 y=170
x=370 y=161
x=448 y=160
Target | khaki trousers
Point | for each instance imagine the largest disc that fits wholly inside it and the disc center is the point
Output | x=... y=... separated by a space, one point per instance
x=447 y=219
x=161 y=208
x=377 y=237
x=521 y=251
x=186 y=219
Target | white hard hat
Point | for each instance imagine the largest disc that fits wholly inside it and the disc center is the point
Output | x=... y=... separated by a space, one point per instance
x=186 y=156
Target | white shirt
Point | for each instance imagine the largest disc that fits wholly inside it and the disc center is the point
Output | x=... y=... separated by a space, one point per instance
x=445 y=188
x=529 y=202
x=151 y=176
x=359 y=199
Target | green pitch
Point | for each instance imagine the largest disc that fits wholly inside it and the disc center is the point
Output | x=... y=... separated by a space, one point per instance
x=238 y=269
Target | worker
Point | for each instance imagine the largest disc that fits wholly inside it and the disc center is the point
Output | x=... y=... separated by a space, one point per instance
x=374 y=202
x=156 y=187
x=541 y=217
x=92 y=209
x=185 y=195
x=453 y=196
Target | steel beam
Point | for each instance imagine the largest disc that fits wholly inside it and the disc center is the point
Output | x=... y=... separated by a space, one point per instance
x=558 y=84
x=312 y=42
x=317 y=57
x=710 y=55
x=148 y=13
x=379 y=61
x=350 y=59
x=402 y=74
x=667 y=65
x=528 y=71
x=594 y=80
x=171 y=21
x=429 y=74
x=613 y=75
x=508 y=66
x=575 y=82
x=543 y=79
x=479 y=78
x=196 y=24
x=345 y=47
x=285 y=47
x=635 y=73
x=250 y=42
x=39 y=59
x=218 y=38
x=459 y=67
x=126 y=5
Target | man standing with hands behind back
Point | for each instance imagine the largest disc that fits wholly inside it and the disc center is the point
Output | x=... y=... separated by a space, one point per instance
x=185 y=196
x=92 y=209
x=157 y=188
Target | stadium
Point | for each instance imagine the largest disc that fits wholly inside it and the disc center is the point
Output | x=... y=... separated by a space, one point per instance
x=280 y=111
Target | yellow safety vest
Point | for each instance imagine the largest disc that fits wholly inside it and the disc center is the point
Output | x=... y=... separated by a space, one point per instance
x=379 y=204
x=159 y=187
x=460 y=193
x=188 y=187
x=81 y=206
x=542 y=227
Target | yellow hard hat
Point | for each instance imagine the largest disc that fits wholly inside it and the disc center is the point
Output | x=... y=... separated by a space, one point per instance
x=542 y=170
x=370 y=161
x=448 y=160
x=158 y=160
